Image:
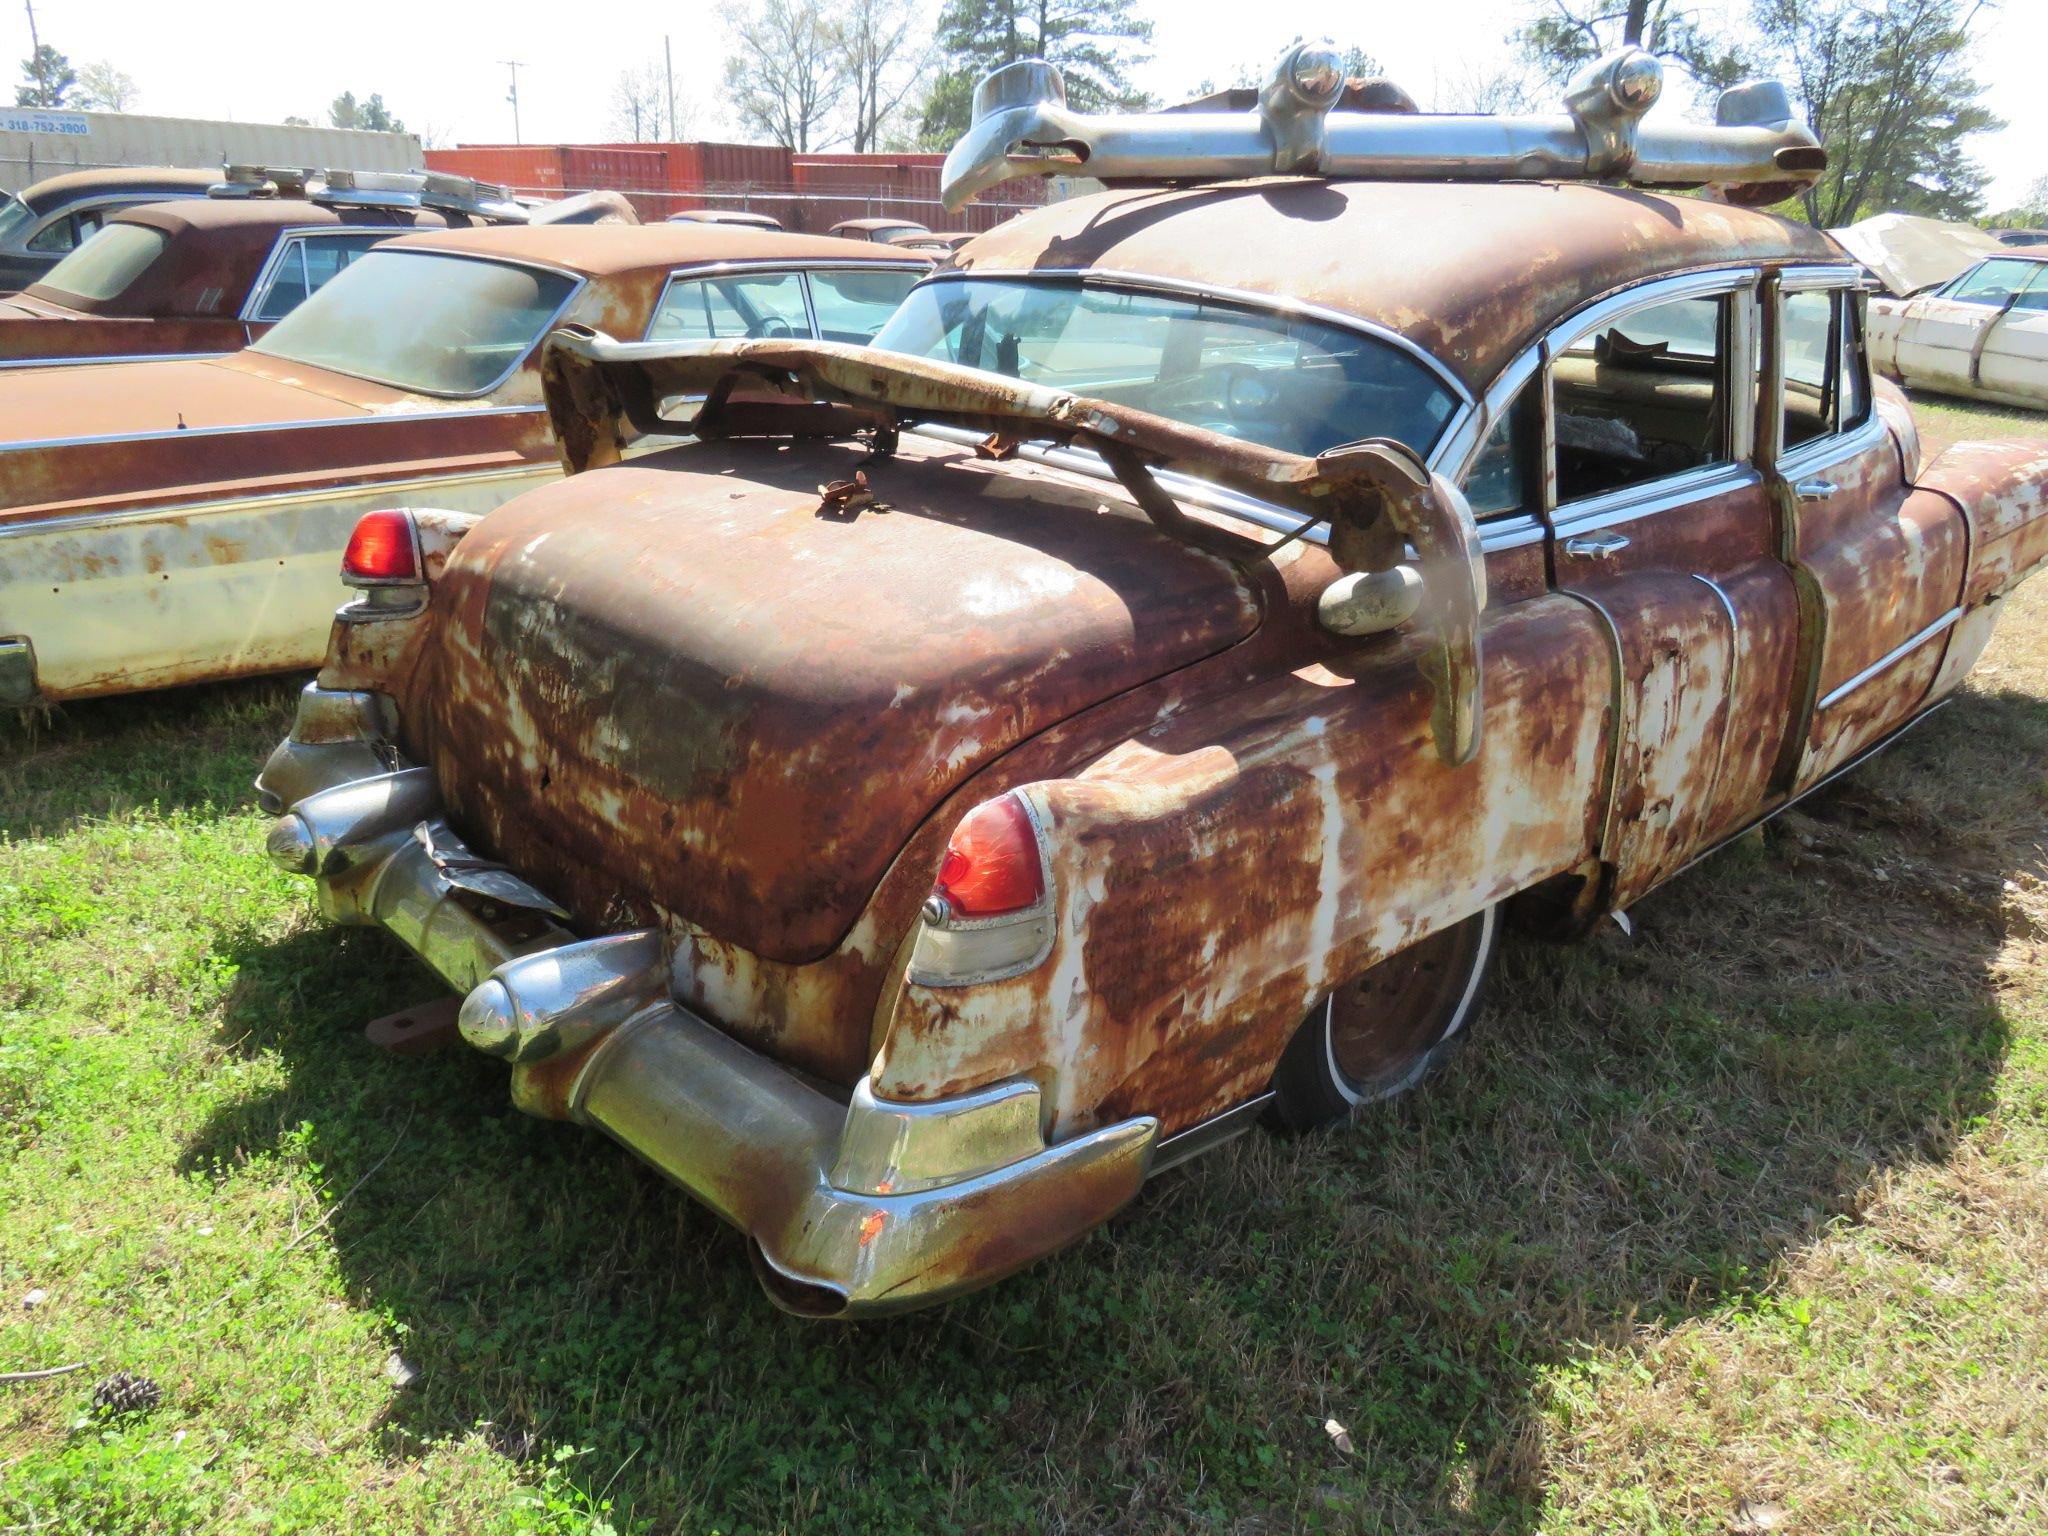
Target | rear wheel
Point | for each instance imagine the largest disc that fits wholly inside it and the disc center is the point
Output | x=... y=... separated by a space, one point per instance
x=1381 y=1033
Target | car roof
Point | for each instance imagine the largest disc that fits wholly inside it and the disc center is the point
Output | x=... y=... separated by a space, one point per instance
x=267 y=213
x=55 y=191
x=601 y=249
x=216 y=248
x=877 y=224
x=1472 y=272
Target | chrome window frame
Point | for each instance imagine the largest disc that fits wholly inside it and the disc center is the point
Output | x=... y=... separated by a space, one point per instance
x=1667 y=492
x=770 y=266
x=266 y=275
x=1830 y=447
x=579 y=282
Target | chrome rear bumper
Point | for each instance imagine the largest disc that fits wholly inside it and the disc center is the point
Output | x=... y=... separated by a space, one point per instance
x=851 y=1210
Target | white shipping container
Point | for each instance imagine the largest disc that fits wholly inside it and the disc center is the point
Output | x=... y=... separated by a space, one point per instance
x=37 y=142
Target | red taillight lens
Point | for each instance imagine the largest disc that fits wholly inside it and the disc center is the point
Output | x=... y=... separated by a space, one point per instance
x=991 y=864
x=384 y=547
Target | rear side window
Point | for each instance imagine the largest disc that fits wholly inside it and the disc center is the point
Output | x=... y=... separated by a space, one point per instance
x=755 y=306
x=851 y=306
x=303 y=268
x=1824 y=390
x=105 y=265
x=1642 y=398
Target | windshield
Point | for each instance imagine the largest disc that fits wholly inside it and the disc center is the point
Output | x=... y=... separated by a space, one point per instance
x=106 y=264
x=15 y=218
x=1284 y=381
x=441 y=325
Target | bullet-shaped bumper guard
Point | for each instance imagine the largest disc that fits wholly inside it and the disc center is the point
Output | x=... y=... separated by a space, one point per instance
x=851 y=1210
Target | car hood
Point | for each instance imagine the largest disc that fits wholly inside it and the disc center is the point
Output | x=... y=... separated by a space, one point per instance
x=119 y=399
x=688 y=680
x=1910 y=253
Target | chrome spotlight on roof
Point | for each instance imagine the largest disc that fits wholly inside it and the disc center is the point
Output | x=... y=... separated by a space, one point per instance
x=1755 y=151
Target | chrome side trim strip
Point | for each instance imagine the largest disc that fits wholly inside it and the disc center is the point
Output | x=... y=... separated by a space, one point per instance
x=437 y=485
x=1890 y=659
x=1205 y=1134
x=102 y=359
x=1673 y=491
x=1734 y=678
x=367 y=418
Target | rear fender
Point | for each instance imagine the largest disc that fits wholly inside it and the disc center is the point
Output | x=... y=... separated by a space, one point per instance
x=2002 y=489
x=378 y=648
x=1214 y=878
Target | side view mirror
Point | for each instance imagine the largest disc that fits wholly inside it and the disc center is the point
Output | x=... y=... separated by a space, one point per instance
x=1409 y=547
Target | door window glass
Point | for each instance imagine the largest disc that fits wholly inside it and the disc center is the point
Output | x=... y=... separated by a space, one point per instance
x=754 y=306
x=1500 y=475
x=55 y=237
x=851 y=306
x=1641 y=398
x=2034 y=297
x=1824 y=391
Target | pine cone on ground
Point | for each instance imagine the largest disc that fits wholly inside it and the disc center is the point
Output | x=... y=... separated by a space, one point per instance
x=125 y=1392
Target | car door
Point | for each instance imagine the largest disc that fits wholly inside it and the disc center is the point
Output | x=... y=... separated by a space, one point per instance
x=1880 y=567
x=2014 y=359
x=1661 y=522
x=1943 y=331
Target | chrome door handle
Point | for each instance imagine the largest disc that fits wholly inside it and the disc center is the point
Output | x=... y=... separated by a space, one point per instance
x=1814 y=490
x=1596 y=546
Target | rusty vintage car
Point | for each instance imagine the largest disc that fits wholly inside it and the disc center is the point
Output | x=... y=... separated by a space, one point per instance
x=1983 y=334
x=168 y=521
x=43 y=223
x=986 y=769
x=200 y=276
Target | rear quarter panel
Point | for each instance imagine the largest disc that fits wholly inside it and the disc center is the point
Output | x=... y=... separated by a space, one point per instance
x=1216 y=874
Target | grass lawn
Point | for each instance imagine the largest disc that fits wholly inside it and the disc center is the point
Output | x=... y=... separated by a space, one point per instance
x=1739 y=1225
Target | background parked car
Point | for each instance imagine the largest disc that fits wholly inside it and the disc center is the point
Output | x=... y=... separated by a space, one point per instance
x=170 y=521
x=740 y=218
x=1983 y=334
x=44 y=223
x=882 y=230
x=200 y=275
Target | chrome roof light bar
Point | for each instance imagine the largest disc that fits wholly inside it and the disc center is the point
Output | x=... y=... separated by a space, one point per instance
x=1755 y=151
x=372 y=189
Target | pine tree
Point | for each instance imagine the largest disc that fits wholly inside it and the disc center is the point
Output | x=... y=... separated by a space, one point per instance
x=1095 y=45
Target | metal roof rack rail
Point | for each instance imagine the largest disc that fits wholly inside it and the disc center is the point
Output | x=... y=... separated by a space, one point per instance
x=417 y=189
x=1756 y=151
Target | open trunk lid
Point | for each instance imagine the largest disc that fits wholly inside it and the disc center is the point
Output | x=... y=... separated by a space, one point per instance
x=687 y=680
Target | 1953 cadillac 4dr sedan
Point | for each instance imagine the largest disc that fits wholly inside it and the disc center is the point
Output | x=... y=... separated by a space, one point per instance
x=987 y=768
x=170 y=521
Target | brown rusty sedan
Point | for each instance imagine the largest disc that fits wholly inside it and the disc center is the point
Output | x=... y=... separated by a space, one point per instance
x=168 y=521
x=1128 y=700
x=197 y=277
